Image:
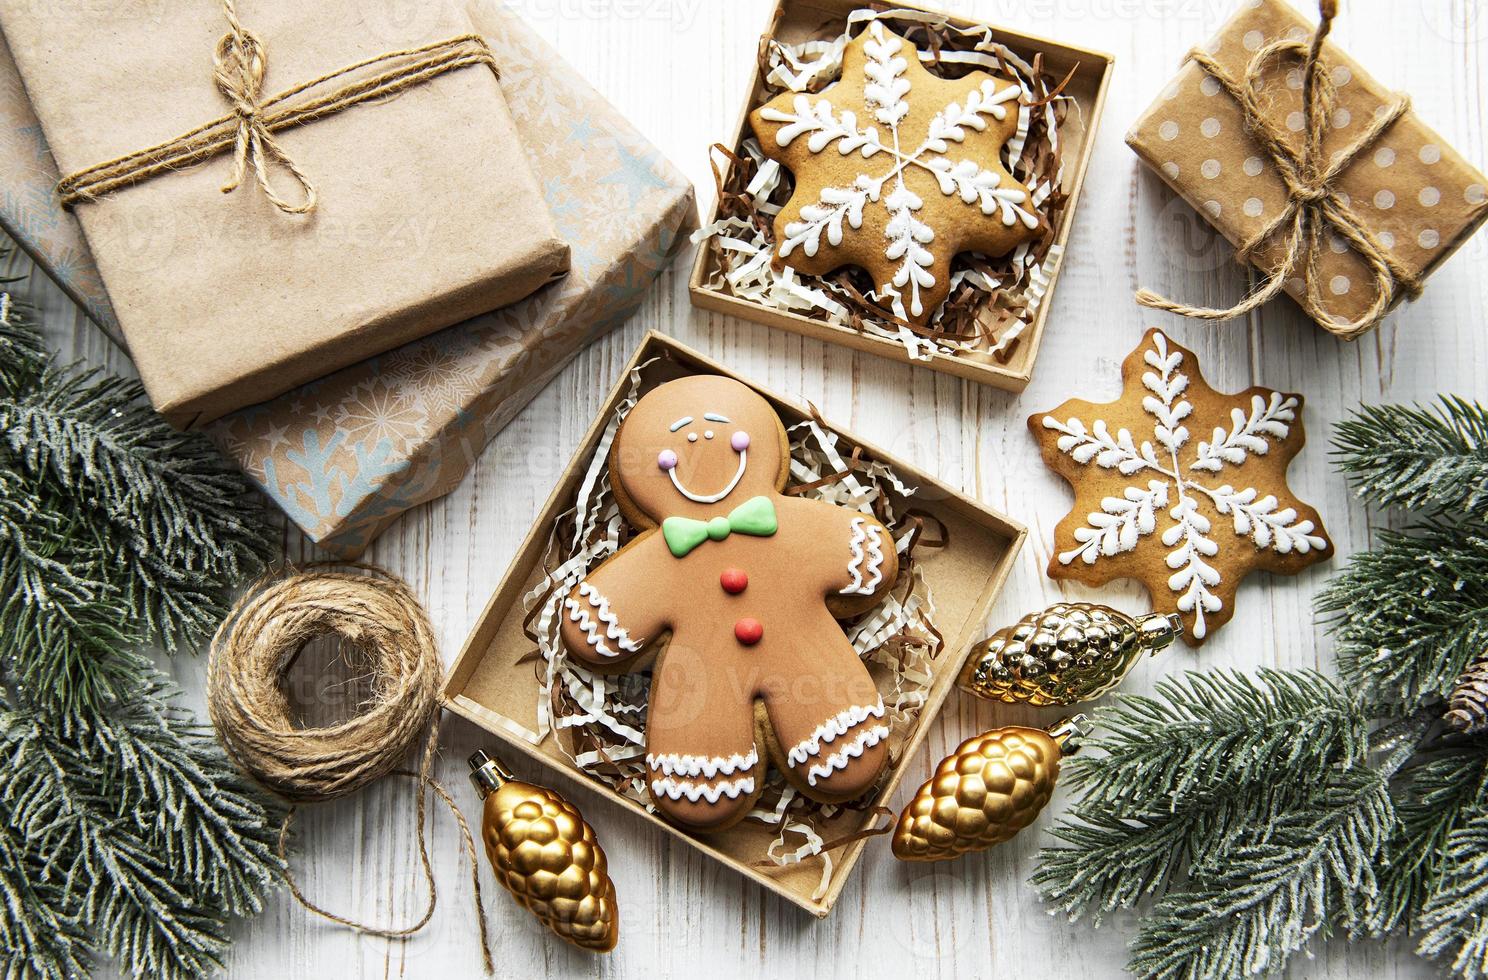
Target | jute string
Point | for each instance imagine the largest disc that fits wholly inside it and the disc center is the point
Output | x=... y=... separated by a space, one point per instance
x=252 y=654
x=1314 y=204
x=240 y=65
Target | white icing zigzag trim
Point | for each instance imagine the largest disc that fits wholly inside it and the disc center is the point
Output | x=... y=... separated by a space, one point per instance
x=613 y=630
x=675 y=789
x=839 y=760
x=832 y=729
x=869 y=535
x=673 y=764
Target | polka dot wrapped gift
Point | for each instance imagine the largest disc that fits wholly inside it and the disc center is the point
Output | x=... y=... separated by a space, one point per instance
x=1324 y=180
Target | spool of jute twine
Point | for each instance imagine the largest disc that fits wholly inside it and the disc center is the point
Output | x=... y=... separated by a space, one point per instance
x=376 y=616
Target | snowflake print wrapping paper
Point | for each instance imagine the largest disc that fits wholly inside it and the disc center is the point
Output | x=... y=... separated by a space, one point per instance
x=1179 y=487
x=897 y=170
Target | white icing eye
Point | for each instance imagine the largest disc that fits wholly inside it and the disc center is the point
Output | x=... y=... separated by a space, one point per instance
x=708 y=434
x=692 y=437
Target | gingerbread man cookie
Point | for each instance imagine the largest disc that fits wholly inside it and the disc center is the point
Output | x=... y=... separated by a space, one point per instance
x=745 y=582
x=897 y=170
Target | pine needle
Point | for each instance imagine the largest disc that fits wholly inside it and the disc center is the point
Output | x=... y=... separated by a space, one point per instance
x=124 y=831
x=1431 y=460
x=1412 y=614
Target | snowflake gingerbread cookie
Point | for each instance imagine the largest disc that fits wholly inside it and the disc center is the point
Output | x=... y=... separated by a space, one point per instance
x=897 y=170
x=1187 y=516
x=742 y=583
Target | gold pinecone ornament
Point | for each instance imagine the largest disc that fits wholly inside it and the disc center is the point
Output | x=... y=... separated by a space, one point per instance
x=1467 y=707
x=546 y=855
x=985 y=792
x=1068 y=653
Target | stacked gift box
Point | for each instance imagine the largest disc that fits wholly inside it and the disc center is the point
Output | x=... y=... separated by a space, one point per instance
x=580 y=225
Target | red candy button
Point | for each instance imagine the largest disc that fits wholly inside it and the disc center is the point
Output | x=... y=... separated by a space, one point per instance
x=748 y=631
x=733 y=580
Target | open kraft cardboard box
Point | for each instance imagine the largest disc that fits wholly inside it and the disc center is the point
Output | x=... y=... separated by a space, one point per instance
x=493 y=683
x=795 y=21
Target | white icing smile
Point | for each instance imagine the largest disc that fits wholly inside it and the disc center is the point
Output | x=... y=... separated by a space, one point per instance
x=711 y=498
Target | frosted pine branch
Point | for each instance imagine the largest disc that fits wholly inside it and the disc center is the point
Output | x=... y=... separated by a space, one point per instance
x=1408 y=615
x=1432 y=800
x=1248 y=915
x=124 y=832
x=1455 y=919
x=1433 y=460
x=1217 y=732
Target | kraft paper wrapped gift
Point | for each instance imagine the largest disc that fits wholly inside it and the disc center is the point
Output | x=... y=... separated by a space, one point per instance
x=29 y=211
x=1416 y=194
x=224 y=298
x=346 y=455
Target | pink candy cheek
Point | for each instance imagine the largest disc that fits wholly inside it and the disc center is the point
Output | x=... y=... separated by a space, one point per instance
x=740 y=441
x=667 y=460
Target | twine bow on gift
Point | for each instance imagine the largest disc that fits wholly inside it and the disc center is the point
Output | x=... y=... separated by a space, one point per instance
x=240 y=64
x=1314 y=204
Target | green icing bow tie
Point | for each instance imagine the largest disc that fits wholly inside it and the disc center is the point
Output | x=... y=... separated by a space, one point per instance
x=755 y=516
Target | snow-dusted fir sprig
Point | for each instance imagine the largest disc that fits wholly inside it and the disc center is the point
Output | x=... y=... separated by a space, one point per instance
x=124 y=832
x=1411 y=614
x=1431 y=459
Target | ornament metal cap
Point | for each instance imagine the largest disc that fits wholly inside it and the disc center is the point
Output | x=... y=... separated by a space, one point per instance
x=1159 y=630
x=1071 y=733
x=487 y=774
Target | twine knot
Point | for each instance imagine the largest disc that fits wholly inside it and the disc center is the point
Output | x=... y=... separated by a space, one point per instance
x=1313 y=204
x=240 y=65
x=1308 y=193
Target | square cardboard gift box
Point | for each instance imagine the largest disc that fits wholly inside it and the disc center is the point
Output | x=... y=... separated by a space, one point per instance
x=344 y=456
x=1005 y=361
x=495 y=680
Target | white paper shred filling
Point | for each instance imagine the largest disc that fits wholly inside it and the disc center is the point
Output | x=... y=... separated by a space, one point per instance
x=607 y=713
x=810 y=67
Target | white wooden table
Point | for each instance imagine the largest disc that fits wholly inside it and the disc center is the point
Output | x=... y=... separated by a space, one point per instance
x=678 y=69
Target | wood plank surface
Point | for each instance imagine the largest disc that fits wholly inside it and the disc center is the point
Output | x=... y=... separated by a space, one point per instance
x=677 y=69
